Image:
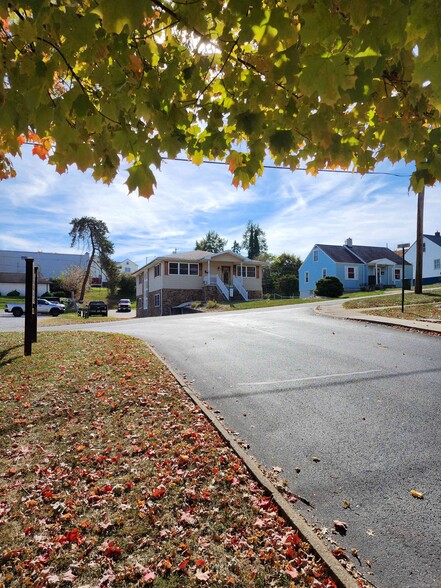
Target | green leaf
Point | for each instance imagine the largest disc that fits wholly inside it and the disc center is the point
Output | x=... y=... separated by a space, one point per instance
x=326 y=77
x=116 y=15
x=142 y=179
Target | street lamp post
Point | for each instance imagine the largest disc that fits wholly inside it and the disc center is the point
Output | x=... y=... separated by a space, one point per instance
x=403 y=247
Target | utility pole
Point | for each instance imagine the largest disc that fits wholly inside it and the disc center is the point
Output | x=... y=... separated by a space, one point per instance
x=419 y=244
x=403 y=246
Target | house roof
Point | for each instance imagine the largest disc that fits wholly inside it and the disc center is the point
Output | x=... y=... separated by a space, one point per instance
x=436 y=238
x=196 y=256
x=19 y=278
x=360 y=254
x=339 y=253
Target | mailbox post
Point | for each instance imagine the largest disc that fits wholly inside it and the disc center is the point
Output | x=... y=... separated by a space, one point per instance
x=29 y=306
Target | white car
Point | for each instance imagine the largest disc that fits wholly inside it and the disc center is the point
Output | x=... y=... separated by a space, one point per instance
x=124 y=305
x=43 y=307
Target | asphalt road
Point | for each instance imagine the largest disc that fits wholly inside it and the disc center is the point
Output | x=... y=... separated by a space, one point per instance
x=363 y=399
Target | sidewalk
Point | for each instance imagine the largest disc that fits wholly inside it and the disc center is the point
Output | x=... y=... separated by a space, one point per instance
x=335 y=309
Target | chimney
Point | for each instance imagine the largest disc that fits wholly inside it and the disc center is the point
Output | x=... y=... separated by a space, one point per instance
x=437 y=234
x=348 y=242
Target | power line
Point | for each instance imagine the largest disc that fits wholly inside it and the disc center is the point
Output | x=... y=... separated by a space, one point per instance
x=279 y=167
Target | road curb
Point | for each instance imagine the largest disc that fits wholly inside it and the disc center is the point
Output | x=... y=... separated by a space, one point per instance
x=341 y=576
x=376 y=320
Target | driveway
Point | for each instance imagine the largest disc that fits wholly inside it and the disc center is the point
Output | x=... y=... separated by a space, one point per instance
x=348 y=411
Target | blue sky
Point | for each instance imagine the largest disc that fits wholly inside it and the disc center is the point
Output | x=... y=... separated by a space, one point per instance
x=295 y=210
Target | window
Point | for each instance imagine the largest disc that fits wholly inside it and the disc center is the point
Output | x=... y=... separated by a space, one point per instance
x=397 y=273
x=324 y=272
x=424 y=248
x=127 y=270
x=437 y=264
x=183 y=269
x=157 y=270
x=351 y=273
x=306 y=277
x=315 y=255
x=157 y=300
x=248 y=271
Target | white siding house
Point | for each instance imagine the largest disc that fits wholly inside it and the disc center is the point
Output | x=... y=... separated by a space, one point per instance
x=431 y=258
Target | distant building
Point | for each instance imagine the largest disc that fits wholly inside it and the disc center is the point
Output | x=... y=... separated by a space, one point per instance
x=16 y=281
x=127 y=266
x=51 y=265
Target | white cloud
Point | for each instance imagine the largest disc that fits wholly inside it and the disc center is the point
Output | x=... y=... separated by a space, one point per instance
x=295 y=210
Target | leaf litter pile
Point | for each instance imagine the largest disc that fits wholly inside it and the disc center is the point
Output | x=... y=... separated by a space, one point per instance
x=111 y=476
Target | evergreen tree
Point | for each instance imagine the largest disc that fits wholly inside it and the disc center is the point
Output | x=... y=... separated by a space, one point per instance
x=236 y=247
x=212 y=242
x=254 y=240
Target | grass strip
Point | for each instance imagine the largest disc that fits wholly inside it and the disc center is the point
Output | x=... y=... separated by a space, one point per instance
x=395 y=300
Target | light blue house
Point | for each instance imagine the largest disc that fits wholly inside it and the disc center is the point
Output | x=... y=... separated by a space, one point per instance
x=358 y=267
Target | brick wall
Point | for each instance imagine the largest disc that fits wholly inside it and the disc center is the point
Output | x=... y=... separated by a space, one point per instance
x=172 y=298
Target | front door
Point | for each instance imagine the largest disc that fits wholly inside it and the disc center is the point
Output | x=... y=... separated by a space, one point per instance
x=226 y=274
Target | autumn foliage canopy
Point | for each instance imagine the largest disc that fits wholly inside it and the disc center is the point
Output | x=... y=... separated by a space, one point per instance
x=333 y=83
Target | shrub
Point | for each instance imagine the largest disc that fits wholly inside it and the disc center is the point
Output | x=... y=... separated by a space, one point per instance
x=212 y=304
x=330 y=287
x=13 y=294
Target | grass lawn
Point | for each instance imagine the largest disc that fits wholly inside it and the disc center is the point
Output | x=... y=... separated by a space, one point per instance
x=428 y=297
x=266 y=303
x=111 y=476
x=71 y=318
x=411 y=312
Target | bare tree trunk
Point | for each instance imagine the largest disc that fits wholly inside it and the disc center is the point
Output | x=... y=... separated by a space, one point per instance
x=419 y=244
x=87 y=274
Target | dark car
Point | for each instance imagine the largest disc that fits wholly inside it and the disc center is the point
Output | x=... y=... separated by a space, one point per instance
x=97 y=307
x=124 y=305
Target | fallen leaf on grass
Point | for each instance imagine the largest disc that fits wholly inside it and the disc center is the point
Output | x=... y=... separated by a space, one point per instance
x=68 y=577
x=202 y=576
x=292 y=572
x=149 y=576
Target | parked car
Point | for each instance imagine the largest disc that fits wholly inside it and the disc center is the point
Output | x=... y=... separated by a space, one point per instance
x=43 y=307
x=97 y=307
x=124 y=305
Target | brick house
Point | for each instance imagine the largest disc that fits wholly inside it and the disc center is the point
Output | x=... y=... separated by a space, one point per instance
x=171 y=280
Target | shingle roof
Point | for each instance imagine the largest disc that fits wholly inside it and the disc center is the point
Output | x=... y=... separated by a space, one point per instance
x=359 y=253
x=339 y=253
x=435 y=238
x=196 y=255
x=18 y=278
